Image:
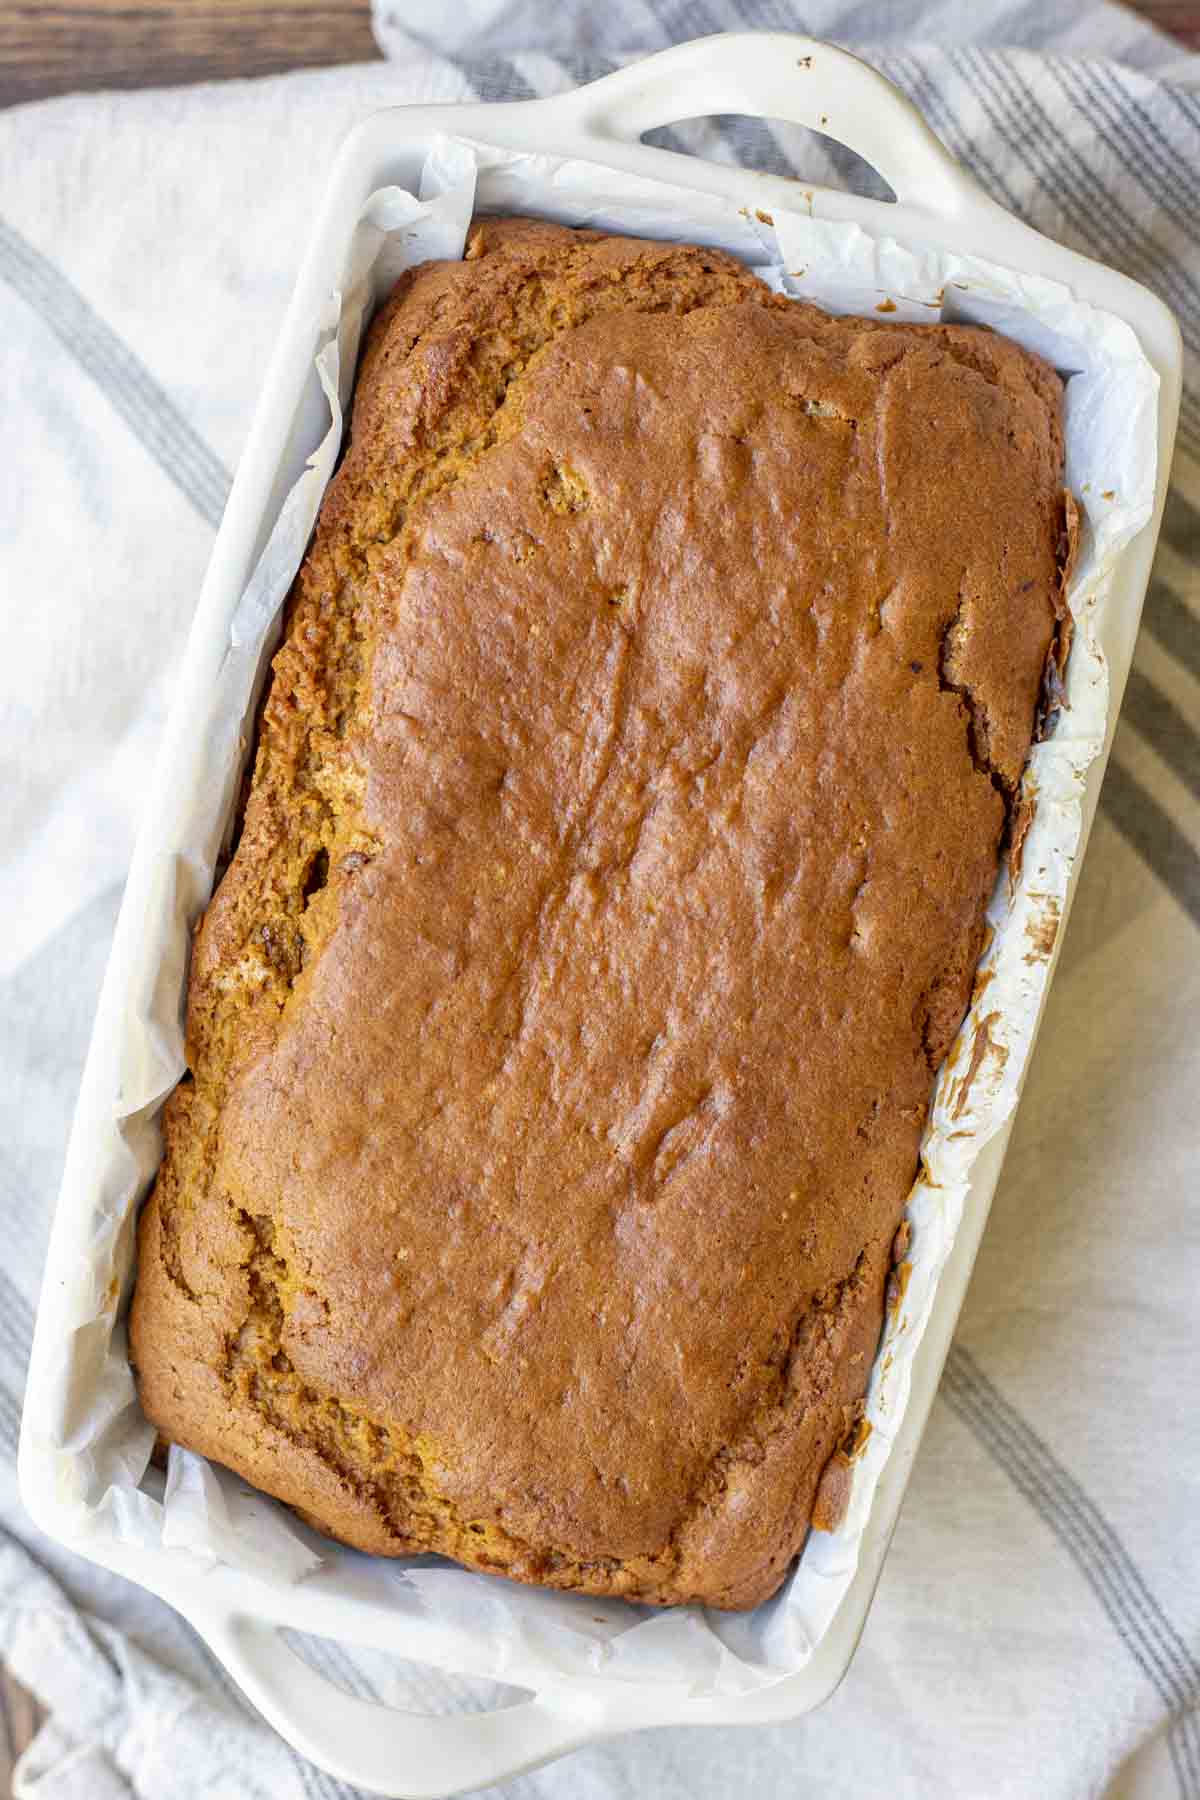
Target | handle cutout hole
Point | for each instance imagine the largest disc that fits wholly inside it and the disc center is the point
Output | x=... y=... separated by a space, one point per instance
x=773 y=147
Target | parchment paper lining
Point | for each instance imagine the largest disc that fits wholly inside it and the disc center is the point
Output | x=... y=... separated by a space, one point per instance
x=93 y=1446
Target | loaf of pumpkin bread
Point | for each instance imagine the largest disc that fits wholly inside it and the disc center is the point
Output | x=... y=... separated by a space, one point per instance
x=628 y=793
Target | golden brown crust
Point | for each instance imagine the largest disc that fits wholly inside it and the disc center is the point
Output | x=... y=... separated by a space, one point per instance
x=627 y=798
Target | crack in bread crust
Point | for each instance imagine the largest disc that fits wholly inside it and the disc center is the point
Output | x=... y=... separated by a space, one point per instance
x=393 y=1474
x=561 y=1033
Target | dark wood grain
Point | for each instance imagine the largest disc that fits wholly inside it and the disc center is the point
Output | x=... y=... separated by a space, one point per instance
x=20 y=1720
x=1178 y=18
x=57 y=48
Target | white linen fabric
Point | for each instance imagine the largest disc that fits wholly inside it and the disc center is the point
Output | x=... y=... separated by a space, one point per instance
x=1037 y=1629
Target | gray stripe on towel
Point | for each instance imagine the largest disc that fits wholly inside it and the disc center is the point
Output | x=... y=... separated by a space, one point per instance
x=1097 y=216
x=1164 y=727
x=1170 y=621
x=1093 y=1546
x=124 y=380
x=1152 y=832
x=1181 y=524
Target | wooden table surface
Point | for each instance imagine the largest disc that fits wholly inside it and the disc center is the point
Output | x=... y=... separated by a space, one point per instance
x=63 y=45
x=60 y=48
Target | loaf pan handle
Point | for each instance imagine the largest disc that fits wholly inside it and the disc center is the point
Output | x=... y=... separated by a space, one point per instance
x=408 y=1756
x=779 y=75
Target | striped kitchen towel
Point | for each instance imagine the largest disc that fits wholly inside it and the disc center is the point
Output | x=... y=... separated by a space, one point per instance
x=1037 y=1631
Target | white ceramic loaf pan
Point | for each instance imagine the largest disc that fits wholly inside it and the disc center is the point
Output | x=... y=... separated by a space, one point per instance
x=938 y=206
